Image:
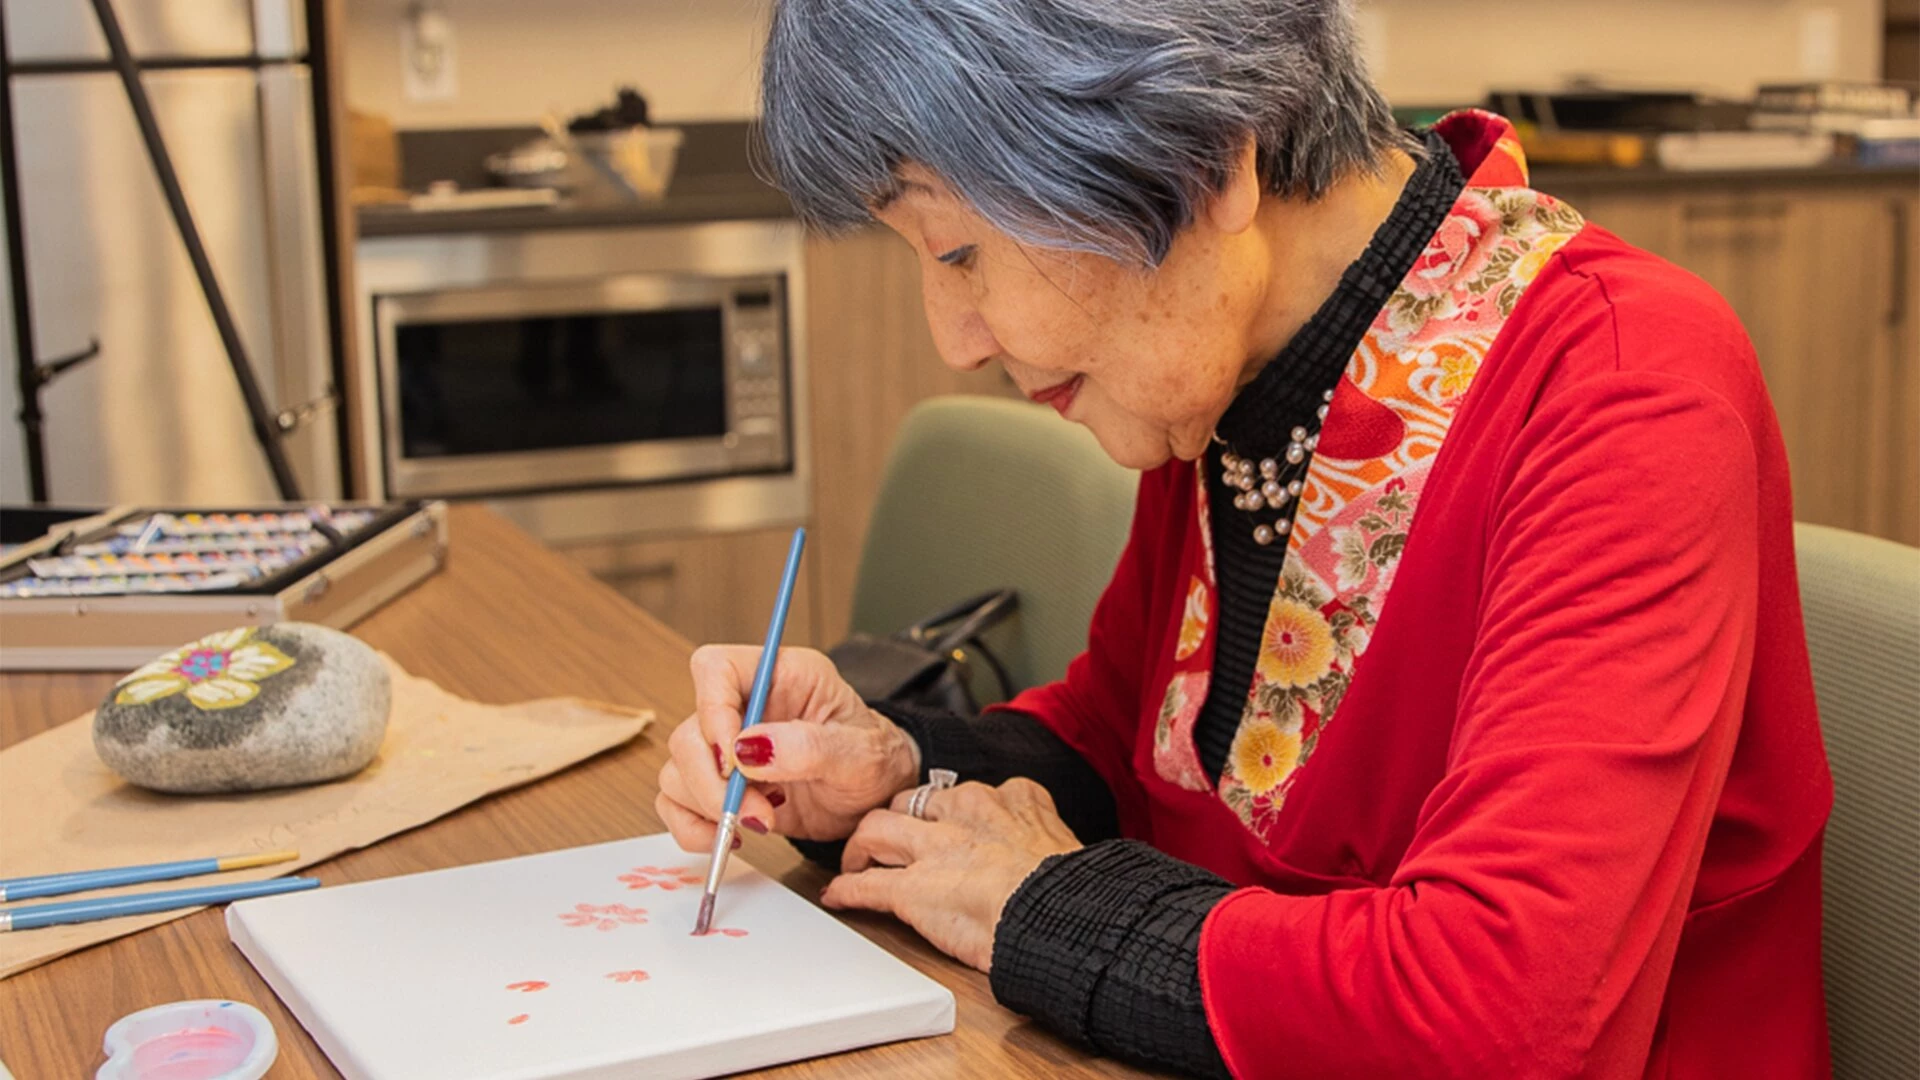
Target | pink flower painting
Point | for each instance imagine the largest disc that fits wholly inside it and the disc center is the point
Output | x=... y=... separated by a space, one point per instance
x=604 y=918
x=667 y=878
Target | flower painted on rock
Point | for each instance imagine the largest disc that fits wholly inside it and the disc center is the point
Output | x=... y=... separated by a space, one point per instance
x=220 y=671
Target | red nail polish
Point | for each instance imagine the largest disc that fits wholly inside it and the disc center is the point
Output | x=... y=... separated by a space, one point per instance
x=719 y=759
x=777 y=797
x=736 y=843
x=754 y=751
x=754 y=824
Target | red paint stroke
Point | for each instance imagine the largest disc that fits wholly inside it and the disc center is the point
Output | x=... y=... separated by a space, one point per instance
x=521 y=1019
x=531 y=986
x=634 y=976
x=727 y=930
x=605 y=917
x=667 y=878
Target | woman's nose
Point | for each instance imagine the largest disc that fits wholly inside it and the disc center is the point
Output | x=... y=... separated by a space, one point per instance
x=959 y=331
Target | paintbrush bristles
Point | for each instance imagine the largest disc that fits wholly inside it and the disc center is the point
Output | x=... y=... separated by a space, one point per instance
x=704 y=922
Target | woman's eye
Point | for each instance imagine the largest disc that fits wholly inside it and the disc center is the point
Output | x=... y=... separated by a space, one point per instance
x=961 y=257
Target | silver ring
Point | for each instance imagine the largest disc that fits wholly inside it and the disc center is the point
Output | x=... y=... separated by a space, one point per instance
x=937 y=780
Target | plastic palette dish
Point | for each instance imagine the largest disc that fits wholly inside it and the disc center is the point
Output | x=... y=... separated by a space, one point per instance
x=191 y=1040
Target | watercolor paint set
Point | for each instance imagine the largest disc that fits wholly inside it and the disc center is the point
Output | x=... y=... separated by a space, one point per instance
x=109 y=590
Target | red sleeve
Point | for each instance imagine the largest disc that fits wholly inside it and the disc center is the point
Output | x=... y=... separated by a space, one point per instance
x=1531 y=926
x=1096 y=708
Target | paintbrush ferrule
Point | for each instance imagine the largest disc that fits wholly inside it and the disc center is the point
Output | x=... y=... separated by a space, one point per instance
x=248 y=862
x=716 y=869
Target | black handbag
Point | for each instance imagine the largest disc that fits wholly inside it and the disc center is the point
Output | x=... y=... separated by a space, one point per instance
x=929 y=664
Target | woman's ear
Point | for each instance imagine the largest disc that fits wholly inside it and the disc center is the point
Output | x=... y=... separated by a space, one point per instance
x=1232 y=210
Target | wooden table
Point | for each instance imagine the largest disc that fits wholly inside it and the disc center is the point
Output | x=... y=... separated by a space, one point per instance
x=507 y=620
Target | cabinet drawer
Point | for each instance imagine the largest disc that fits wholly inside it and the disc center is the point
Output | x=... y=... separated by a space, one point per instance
x=710 y=587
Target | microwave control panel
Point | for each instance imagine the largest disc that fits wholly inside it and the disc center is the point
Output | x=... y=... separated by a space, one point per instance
x=758 y=354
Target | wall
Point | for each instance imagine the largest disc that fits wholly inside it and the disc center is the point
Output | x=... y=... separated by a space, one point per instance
x=696 y=58
x=1722 y=46
x=693 y=59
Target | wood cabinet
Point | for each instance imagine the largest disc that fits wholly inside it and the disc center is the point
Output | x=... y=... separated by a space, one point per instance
x=711 y=587
x=1822 y=275
x=872 y=359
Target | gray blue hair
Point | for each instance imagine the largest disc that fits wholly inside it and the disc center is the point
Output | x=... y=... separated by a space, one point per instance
x=1088 y=125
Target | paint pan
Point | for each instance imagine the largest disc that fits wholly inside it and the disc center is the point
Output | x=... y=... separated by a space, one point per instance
x=191 y=1040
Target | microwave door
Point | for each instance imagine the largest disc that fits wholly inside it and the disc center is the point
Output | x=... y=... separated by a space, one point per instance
x=480 y=402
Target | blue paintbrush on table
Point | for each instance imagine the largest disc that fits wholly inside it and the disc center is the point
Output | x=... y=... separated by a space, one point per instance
x=27 y=888
x=756 y=707
x=73 y=911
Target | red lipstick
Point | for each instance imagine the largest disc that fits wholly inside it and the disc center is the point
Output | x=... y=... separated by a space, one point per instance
x=1060 y=395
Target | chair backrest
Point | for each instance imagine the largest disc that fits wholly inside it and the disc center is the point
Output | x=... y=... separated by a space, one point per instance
x=984 y=493
x=1862 y=602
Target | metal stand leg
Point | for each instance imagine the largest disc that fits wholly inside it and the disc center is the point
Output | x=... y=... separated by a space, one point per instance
x=28 y=373
x=265 y=427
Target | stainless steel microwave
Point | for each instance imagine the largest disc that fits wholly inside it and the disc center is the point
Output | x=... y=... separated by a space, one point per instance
x=633 y=378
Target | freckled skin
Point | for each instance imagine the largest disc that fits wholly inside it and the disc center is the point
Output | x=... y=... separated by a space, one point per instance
x=1163 y=350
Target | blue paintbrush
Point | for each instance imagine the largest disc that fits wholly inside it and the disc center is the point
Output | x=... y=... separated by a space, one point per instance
x=26 y=888
x=73 y=911
x=756 y=707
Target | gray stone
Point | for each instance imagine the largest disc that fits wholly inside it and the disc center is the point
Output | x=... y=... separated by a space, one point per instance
x=247 y=709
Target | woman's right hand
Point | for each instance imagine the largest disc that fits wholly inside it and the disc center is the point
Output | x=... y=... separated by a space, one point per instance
x=819 y=761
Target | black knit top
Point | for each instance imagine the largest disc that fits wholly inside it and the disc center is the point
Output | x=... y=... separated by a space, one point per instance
x=1103 y=944
x=1283 y=396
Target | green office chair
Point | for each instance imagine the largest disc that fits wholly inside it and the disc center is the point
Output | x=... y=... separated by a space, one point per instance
x=1862 y=601
x=983 y=493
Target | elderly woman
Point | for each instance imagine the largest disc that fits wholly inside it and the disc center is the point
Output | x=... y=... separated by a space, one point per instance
x=1449 y=711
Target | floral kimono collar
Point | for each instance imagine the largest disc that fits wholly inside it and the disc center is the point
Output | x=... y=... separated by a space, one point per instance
x=1388 y=419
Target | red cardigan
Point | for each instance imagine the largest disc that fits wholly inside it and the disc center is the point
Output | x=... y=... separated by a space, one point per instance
x=1569 y=820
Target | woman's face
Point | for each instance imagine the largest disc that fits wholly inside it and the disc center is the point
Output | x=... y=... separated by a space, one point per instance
x=1146 y=359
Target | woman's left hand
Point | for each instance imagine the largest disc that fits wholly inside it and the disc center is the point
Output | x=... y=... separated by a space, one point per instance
x=950 y=875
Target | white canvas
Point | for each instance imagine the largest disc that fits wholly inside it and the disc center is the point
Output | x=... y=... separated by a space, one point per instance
x=526 y=969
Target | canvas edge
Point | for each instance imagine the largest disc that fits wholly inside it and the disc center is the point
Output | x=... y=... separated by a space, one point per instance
x=262 y=960
x=926 y=1014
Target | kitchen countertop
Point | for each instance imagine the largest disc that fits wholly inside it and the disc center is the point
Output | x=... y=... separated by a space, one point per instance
x=739 y=199
x=1548 y=178
x=714 y=181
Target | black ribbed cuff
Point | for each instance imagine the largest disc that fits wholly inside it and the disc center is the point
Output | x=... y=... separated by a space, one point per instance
x=1103 y=946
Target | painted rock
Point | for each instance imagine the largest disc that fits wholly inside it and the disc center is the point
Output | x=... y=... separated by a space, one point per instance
x=246 y=709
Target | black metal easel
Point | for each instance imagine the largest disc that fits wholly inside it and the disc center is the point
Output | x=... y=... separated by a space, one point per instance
x=269 y=429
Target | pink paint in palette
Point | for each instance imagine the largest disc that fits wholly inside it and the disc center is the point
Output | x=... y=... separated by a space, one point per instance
x=544 y=966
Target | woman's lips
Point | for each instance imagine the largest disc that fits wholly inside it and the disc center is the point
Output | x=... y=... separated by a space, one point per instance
x=1060 y=395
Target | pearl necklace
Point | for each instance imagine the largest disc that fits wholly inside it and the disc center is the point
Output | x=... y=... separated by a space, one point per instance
x=1274 y=482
